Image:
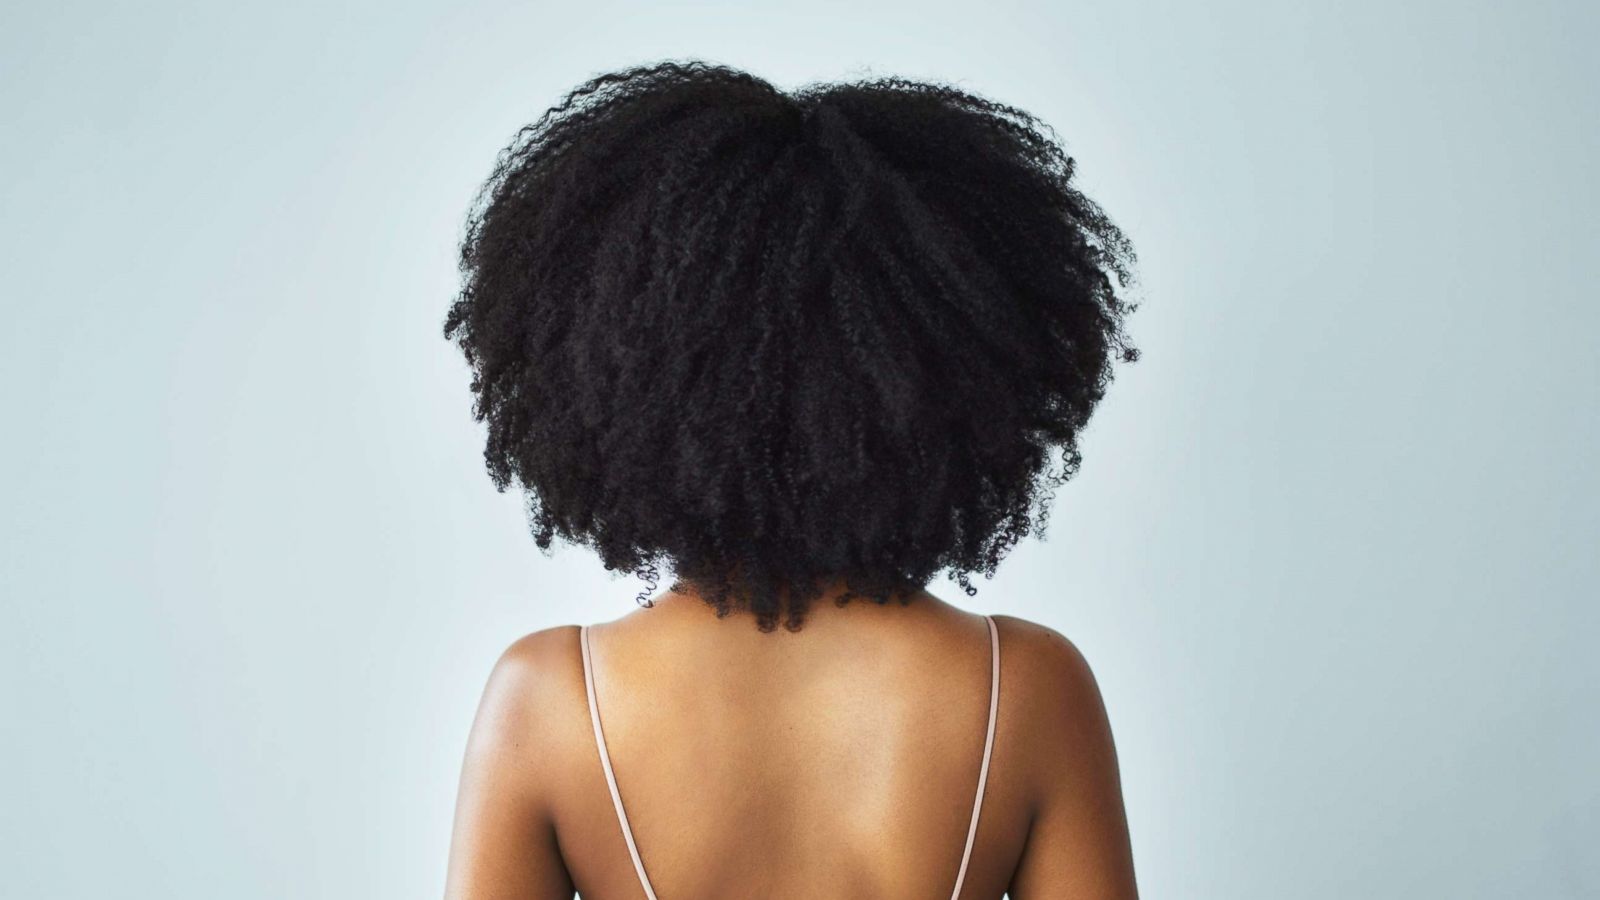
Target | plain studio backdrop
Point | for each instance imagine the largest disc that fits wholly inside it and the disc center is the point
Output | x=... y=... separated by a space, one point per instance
x=1332 y=552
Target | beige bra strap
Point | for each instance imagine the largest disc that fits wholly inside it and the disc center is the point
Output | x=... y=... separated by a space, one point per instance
x=605 y=763
x=988 y=751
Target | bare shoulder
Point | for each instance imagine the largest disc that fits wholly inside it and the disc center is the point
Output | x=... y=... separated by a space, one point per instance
x=533 y=696
x=1045 y=664
x=503 y=840
x=1078 y=845
x=541 y=660
x=1054 y=700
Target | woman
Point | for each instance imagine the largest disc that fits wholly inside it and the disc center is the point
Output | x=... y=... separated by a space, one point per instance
x=809 y=349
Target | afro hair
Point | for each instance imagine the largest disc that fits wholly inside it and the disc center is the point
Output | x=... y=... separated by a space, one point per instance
x=773 y=339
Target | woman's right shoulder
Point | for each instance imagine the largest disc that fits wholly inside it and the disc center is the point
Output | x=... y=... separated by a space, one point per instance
x=1061 y=738
x=1049 y=687
x=1046 y=654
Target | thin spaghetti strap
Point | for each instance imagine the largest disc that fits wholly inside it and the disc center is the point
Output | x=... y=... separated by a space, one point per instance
x=988 y=750
x=605 y=763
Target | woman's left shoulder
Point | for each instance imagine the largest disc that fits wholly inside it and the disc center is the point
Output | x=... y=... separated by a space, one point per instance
x=533 y=705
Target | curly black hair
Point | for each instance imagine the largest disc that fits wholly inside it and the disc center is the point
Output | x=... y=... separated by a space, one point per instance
x=775 y=338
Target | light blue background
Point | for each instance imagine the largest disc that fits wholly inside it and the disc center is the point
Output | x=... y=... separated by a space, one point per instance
x=1331 y=553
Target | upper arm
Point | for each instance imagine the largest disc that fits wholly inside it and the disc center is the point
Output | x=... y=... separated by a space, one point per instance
x=1078 y=846
x=503 y=843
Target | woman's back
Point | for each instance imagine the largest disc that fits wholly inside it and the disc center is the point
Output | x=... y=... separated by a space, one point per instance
x=840 y=761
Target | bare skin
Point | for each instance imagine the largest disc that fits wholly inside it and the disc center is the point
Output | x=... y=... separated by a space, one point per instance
x=838 y=762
